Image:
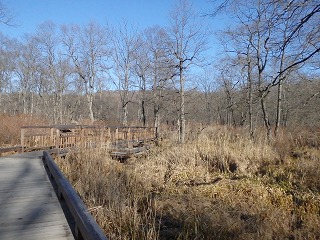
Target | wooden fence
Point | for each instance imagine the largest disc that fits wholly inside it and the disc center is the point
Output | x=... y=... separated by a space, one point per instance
x=83 y=136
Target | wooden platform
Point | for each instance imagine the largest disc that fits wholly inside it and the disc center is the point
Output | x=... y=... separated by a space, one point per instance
x=29 y=208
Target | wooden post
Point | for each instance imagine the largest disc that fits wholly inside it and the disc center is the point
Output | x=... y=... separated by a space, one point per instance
x=129 y=134
x=145 y=135
x=116 y=135
x=22 y=138
x=52 y=143
x=57 y=139
x=82 y=137
x=130 y=143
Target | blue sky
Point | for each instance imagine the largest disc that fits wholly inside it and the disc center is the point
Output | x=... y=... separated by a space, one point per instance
x=143 y=13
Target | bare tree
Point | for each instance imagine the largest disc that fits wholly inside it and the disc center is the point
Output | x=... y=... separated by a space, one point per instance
x=161 y=68
x=187 y=43
x=142 y=68
x=8 y=58
x=55 y=69
x=28 y=73
x=6 y=16
x=126 y=43
x=280 y=37
x=5 y=65
x=295 y=41
x=207 y=84
x=88 y=49
x=5 y=58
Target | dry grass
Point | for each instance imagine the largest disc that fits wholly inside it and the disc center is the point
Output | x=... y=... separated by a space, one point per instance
x=113 y=194
x=219 y=185
x=10 y=127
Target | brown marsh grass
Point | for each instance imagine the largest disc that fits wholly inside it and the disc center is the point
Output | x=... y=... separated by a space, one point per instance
x=10 y=127
x=221 y=184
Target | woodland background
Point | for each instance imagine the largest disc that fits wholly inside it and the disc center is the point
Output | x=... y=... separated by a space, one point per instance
x=267 y=74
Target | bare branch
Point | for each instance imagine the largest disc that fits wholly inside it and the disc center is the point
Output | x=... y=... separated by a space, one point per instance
x=6 y=17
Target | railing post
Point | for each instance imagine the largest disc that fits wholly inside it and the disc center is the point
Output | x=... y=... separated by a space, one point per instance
x=145 y=134
x=52 y=143
x=22 y=139
x=129 y=134
x=57 y=139
x=82 y=138
x=130 y=145
x=116 y=136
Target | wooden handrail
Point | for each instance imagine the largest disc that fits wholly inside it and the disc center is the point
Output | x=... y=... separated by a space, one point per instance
x=86 y=227
x=81 y=136
x=84 y=126
x=11 y=149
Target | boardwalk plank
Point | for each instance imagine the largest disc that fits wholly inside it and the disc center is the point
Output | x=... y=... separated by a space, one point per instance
x=29 y=208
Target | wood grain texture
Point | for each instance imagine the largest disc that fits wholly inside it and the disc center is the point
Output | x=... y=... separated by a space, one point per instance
x=29 y=208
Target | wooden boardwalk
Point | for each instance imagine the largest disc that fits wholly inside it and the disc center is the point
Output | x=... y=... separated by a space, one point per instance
x=29 y=207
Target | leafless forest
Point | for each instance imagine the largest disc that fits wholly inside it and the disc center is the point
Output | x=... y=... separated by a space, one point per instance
x=248 y=117
x=267 y=76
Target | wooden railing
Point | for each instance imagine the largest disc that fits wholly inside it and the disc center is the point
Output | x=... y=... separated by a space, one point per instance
x=10 y=149
x=86 y=227
x=83 y=136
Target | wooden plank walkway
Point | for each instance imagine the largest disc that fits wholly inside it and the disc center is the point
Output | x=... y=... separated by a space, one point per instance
x=29 y=207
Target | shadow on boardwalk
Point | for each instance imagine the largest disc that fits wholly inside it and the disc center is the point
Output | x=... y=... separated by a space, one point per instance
x=29 y=208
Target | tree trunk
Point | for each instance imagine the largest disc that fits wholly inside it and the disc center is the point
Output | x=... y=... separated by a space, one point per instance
x=124 y=114
x=143 y=117
x=61 y=108
x=280 y=89
x=279 y=108
x=32 y=104
x=24 y=101
x=182 y=128
x=143 y=112
x=285 y=110
x=125 y=97
x=250 y=99
x=208 y=109
x=266 y=118
x=90 y=106
x=156 y=113
x=250 y=110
